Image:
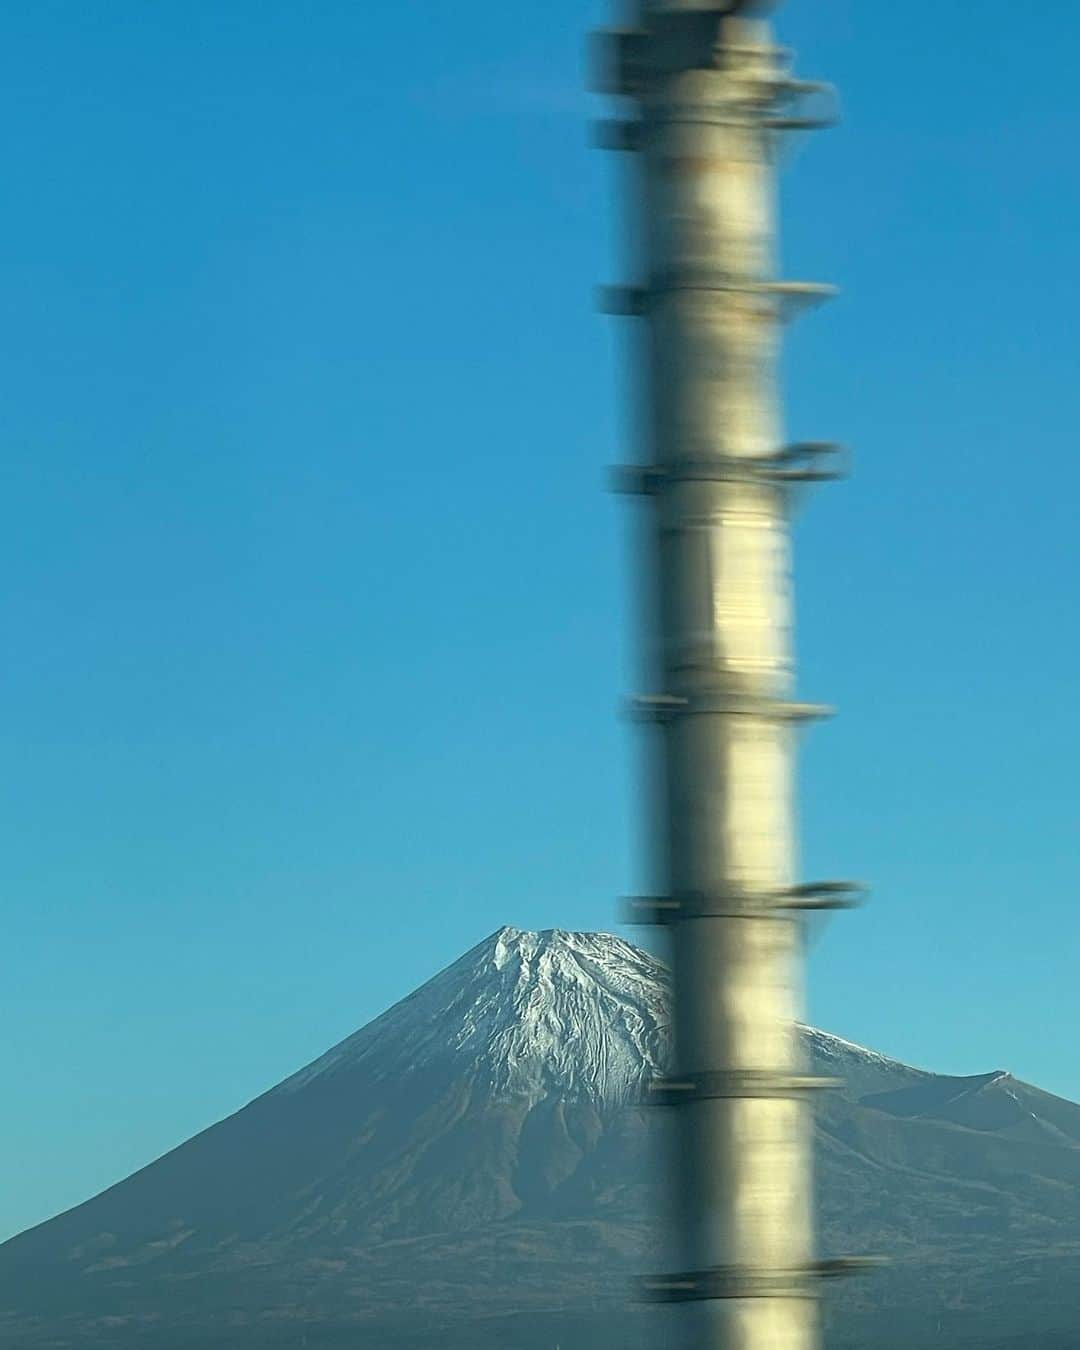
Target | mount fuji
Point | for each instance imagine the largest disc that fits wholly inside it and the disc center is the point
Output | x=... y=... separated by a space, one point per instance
x=472 y=1169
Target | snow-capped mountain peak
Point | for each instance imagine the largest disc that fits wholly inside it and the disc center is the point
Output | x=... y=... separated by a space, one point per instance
x=468 y=1147
x=528 y=1013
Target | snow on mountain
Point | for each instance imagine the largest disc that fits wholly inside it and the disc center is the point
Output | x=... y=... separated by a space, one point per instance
x=861 y=1070
x=459 y=1174
x=530 y=1013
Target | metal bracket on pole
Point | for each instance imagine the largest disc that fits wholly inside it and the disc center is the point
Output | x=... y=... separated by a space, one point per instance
x=797 y=296
x=810 y=462
x=708 y=1086
x=793 y=117
x=666 y=707
x=813 y=896
x=634 y=302
x=739 y=1282
x=803 y=462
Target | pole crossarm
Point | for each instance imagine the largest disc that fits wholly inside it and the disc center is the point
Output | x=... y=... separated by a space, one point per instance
x=722 y=702
x=633 y=63
x=741 y=1282
x=804 y=462
x=741 y=1083
x=788 y=299
x=734 y=903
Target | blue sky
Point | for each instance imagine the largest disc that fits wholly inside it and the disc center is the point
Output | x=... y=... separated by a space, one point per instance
x=317 y=616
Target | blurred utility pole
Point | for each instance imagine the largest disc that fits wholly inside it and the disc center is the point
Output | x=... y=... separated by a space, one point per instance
x=707 y=96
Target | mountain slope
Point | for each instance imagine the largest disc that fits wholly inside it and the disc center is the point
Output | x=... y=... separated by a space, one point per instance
x=476 y=1153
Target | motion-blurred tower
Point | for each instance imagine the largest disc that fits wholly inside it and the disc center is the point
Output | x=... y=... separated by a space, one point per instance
x=708 y=96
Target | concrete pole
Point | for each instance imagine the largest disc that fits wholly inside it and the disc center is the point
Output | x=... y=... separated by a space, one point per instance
x=712 y=95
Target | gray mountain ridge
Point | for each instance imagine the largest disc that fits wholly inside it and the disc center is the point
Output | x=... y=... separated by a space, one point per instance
x=472 y=1168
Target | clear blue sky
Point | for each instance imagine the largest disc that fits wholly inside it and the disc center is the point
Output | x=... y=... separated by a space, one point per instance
x=316 y=613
